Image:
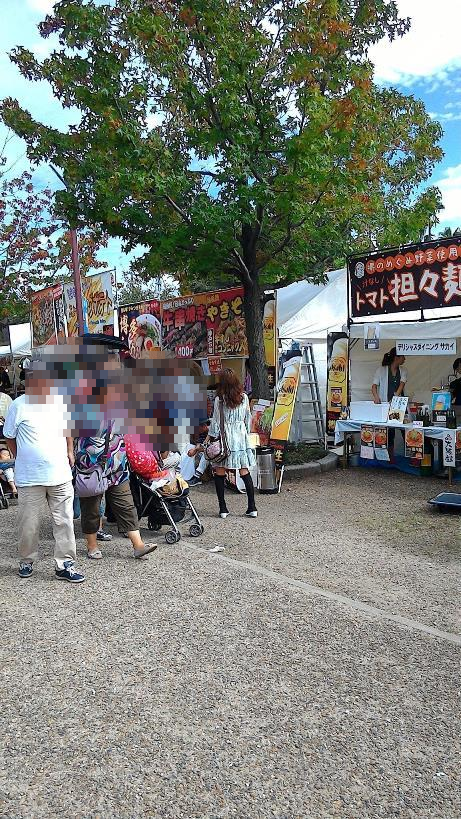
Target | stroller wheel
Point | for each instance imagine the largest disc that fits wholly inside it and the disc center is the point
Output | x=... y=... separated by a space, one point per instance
x=4 y=502
x=172 y=536
x=153 y=525
x=196 y=530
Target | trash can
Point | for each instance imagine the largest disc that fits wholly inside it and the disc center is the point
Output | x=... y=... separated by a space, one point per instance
x=265 y=459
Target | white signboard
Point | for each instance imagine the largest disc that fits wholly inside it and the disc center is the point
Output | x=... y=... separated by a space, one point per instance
x=397 y=409
x=371 y=337
x=434 y=346
x=449 y=447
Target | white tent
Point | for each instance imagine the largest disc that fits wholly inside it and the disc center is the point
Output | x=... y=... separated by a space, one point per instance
x=425 y=372
x=21 y=342
x=308 y=312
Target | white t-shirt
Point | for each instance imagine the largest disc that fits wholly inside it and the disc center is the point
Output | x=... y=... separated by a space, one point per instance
x=381 y=380
x=39 y=430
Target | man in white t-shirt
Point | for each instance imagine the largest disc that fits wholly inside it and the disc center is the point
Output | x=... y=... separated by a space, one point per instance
x=35 y=431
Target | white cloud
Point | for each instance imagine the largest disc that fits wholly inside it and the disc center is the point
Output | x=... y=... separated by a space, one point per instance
x=42 y=6
x=450 y=186
x=449 y=117
x=428 y=50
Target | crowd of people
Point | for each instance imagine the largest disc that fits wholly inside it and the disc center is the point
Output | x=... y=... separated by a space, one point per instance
x=84 y=477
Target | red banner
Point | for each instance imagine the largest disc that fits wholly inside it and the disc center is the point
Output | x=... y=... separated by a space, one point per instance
x=422 y=276
x=204 y=325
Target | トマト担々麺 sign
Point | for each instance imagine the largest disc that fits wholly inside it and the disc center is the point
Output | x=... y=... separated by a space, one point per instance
x=420 y=277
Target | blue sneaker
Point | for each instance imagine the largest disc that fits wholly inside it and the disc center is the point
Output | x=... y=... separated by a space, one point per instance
x=25 y=569
x=70 y=573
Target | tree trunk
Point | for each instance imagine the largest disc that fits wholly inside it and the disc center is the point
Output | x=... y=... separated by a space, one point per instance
x=254 y=311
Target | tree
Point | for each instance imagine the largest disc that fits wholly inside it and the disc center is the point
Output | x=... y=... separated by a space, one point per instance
x=448 y=232
x=134 y=289
x=26 y=227
x=238 y=138
x=34 y=246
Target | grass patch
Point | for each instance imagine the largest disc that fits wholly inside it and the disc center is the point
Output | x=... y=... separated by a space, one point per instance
x=303 y=453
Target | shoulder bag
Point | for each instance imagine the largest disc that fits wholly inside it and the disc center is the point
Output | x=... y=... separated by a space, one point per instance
x=94 y=482
x=217 y=451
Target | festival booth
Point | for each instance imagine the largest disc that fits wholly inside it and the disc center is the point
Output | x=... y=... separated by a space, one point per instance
x=207 y=328
x=19 y=347
x=311 y=315
x=408 y=298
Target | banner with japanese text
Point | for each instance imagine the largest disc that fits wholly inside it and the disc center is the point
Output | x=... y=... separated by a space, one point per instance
x=337 y=377
x=434 y=346
x=139 y=326
x=205 y=324
x=43 y=318
x=270 y=331
x=414 y=443
x=422 y=276
x=98 y=305
x=284 y=408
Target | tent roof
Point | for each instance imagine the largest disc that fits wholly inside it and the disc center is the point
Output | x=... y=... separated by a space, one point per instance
x=395 y=330
x=21 y=342
x=308 y=312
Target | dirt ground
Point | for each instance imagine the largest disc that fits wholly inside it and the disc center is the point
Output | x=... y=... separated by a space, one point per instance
x=309 y=670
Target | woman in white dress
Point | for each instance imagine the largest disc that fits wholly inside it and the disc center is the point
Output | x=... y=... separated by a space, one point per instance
x=236 y=407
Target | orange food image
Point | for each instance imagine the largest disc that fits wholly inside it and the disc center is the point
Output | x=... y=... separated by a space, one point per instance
x=380 y=438
x=414 y=437
x=367 y=436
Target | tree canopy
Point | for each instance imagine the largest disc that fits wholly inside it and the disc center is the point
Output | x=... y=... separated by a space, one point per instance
x=242 y=139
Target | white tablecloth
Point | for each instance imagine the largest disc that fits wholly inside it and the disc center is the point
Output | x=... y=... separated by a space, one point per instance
x=355 y=426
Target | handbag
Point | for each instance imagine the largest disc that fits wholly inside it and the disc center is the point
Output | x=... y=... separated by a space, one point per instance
x=217 y=451
x=94 y=482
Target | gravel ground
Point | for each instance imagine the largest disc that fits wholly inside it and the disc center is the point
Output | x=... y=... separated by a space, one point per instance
x=198 y=685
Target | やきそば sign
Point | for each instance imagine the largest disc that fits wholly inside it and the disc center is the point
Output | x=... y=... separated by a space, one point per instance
x=421 y=276
x=204 y=325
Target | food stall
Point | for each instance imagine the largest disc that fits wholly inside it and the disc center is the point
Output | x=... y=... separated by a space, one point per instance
x=408 y=298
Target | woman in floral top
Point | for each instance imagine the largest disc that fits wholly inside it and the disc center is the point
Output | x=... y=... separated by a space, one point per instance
x=89 y=452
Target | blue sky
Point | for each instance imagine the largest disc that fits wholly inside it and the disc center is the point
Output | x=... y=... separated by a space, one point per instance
x=425 y=63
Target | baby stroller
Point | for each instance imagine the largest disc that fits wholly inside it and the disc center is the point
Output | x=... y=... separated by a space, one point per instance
x=5 y=491
x=162 y=510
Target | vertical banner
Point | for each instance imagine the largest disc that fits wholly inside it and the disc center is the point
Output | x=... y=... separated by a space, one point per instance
x=284 y=407
x=97 y=291
x=98 y=305
x=4 y=334
x=140 y=328
x=71 y=309
x=367 y=449
x=414 y=443
x=337 y=377
x=381 y=444
x=60 y=313
x=270 y=338
x=449 y=447
x=43 y=318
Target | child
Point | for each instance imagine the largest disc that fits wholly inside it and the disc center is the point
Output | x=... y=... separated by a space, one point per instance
x=7 y=473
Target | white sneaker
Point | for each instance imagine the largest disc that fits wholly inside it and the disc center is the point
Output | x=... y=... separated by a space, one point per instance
x=216 y=549
x=253 y=514
x=223 y=515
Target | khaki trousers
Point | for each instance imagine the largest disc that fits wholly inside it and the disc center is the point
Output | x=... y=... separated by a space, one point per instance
x=60 y=500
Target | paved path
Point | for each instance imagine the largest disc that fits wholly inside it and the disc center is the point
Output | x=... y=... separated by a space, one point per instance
x=311 y=670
